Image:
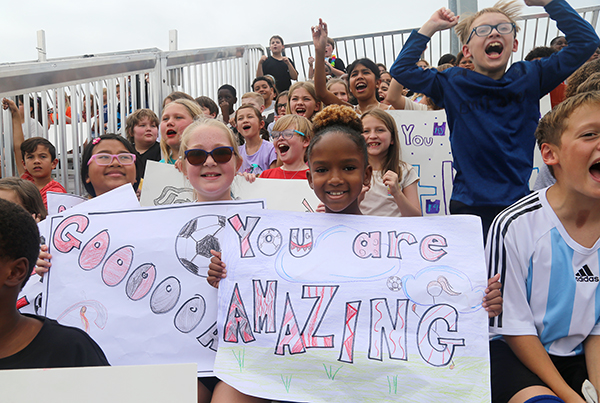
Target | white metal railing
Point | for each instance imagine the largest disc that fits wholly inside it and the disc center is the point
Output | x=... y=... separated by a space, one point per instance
x=383 y=47
x=144 y=78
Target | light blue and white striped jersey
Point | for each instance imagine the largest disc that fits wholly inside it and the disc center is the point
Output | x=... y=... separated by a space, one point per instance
x=549 y=281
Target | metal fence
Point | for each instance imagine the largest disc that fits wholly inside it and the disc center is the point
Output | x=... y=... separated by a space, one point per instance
x=383 y=47
x=102 y=90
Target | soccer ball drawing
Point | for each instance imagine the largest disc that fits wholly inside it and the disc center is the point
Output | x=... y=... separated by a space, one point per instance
x=195 y=241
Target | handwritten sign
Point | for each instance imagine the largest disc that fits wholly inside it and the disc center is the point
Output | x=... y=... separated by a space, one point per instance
x=425 y=144
x=334 y=308
x=164 y=185
x=135 y=280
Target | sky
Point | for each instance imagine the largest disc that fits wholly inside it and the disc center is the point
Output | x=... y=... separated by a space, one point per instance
x=103 y=26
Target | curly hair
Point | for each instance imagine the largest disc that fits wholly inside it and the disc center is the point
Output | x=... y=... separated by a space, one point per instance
x=340 y=119
x=591 y=84
x=580 y=75
x=510 y=8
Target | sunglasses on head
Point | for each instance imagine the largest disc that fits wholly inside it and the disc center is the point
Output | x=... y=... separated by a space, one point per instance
x=220 y=155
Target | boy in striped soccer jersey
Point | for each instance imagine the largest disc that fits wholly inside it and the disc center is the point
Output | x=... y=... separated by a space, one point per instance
x=546 y=248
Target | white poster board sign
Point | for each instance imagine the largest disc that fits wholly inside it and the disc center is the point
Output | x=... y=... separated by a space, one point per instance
x=336 y=308
x=30 y=298
x=164 y=184
x=280 y=194
x=101 y=384
x=135 y=280
x=425 y=143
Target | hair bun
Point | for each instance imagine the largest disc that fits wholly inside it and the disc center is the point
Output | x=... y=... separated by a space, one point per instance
x=337 y=115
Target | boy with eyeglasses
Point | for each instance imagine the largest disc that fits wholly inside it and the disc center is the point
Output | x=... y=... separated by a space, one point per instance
x=493 y=112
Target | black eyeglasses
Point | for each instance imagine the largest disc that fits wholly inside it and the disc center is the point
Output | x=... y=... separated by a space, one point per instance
x=220 y=155
x=484 y=30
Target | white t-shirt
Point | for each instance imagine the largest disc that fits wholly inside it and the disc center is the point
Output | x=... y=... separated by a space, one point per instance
x=379 y=201
x=35 y=129
x=549 y=281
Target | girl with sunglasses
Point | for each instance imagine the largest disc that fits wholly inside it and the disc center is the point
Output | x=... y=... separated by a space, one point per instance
x=211 y=161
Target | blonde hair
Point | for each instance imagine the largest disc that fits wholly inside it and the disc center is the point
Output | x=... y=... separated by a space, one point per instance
x=509 y=8
x=193 y=109
x=335 y=81
x=206 y=122
x=310 y=88
x=302 y=125
x=254 y=95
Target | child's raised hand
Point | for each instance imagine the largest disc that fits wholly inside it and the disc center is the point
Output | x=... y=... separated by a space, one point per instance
x=541 y=3
x=216 y=269
x=43 y=263
x=248 y=176
x=492 y=302
x=390 y=179
x=10 y=105
x=440 y=20
x=319 y=34
x=263 y=59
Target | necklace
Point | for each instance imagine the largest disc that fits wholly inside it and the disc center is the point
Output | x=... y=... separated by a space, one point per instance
x=285 y=174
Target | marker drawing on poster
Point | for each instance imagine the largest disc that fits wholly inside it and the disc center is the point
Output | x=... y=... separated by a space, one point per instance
x=135 y=280
x=324 y=308
x=164 y=184
x=425 y=142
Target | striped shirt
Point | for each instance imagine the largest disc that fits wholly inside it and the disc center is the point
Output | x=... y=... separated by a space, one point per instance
x=549 y=281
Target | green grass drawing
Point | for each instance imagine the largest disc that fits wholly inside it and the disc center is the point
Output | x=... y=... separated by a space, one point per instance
x=286 y=382
x=392 y=384
x=239 y=357
x=330 y=374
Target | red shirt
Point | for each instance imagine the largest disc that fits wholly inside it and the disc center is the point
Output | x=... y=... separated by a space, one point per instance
x=278 y=173
x=52 y=186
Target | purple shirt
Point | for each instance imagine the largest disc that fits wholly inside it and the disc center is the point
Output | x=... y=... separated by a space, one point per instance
x=260 y=160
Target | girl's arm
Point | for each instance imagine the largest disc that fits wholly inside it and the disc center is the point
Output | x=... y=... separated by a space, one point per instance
x=530 y=351
x=319 y=34
x=407 y=199
x=394 y=95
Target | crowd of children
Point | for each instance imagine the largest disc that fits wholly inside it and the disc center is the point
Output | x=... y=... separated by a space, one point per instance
x=542 y=248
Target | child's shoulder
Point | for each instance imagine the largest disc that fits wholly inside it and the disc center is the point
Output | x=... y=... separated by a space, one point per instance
x=57 y=346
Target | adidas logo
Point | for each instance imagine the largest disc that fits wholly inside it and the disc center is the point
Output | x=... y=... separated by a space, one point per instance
x=585 y=275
